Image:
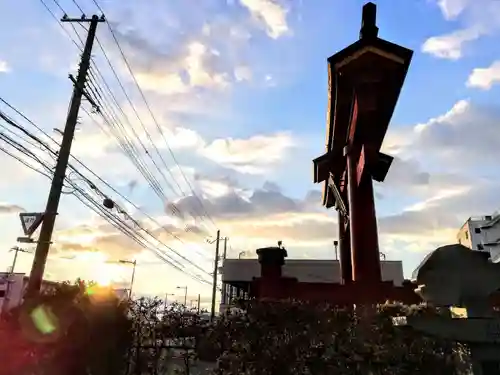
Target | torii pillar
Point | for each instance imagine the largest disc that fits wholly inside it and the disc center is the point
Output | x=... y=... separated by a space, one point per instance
x=365 y=80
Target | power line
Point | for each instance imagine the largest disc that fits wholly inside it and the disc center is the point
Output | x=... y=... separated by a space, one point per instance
x=47 y=147
x=114 y=120
x=47 y=8
x=92 y=185
x=95 y=206
x=153 y=116
x=163 y=198
x=141 y=167
x=142 y=94
x=127 y=145
x=23 y=162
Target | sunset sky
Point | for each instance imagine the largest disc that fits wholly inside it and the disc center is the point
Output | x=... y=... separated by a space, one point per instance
x=238 y=89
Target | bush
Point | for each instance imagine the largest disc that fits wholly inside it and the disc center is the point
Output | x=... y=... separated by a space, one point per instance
x=94 y=333
x=68 y=330
x=300 y=338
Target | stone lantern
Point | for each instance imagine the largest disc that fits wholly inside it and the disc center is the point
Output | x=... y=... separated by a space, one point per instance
x=455 y=276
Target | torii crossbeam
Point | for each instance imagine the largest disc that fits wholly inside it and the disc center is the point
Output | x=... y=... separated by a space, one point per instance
x=365 y=80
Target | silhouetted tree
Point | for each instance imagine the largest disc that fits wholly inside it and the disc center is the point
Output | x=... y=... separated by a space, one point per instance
x=69 y=329
x=77 y=329
x=269 y=338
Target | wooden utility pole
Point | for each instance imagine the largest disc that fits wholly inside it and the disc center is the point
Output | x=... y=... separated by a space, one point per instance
x=199 y=300
x=216 y=268
x=224 y=254
x=44 y=241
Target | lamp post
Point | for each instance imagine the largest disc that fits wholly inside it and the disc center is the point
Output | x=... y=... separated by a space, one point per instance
x=185 y=293
x=166 y=299
x=134 y=264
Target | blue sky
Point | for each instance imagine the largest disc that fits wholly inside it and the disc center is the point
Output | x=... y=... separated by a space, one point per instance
x=239 y=89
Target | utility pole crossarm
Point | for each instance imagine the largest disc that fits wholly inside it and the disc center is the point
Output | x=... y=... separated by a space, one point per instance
x=42 y=249
x=84 y=19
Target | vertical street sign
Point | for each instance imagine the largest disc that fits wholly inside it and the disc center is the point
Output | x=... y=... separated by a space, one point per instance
x=30 y=221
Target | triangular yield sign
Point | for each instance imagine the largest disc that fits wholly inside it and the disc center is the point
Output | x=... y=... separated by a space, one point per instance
x=30 y=221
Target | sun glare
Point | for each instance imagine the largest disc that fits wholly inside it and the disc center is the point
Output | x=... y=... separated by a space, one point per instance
x=105 y=273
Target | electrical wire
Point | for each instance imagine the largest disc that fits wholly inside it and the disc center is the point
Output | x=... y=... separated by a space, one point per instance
x=130 y=155
x=153 y=116
x=126 y=145
x=59 y=22
x=134 y=158
x=47 y=147
x=117 y=222
x=113 y=220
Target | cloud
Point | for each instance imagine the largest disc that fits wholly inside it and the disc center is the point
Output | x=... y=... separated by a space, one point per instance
x=467 y=135
x=175 y=66
x=7 y=208
x=451 y=9
x=103 y=238
x=460 y=148
x=479 y=17
x=406 y=172
x=253 y=155
x=449 y=46
x=485 y=78
x=440 y=217
x=243 y=73
x=4 y=67
x=270 y=14
x=207 y=55
x=257 y=217
x=187 y=67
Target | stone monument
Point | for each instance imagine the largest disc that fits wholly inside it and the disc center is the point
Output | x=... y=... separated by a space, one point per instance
x=456 y=276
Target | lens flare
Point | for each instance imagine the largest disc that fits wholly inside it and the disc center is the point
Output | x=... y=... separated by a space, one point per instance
x=44 y=319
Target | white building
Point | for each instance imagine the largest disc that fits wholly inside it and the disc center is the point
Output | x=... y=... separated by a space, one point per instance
x=12 y=287
x=11 y=290
x=237 y=274
x=482 y=234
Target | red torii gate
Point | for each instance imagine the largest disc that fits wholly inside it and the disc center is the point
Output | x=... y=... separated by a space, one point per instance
x=365 y=80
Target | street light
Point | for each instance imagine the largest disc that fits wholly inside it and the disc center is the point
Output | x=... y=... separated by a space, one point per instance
x=185 y=293
x=241 y=253
x=134 y=263
x=166 y=299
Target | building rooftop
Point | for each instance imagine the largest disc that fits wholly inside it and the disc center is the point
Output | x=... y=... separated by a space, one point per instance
x=305 y=270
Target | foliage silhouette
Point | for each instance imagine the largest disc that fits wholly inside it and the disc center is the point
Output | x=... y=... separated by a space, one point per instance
x=91 y=333
x=97 y=334
x=292 y=337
